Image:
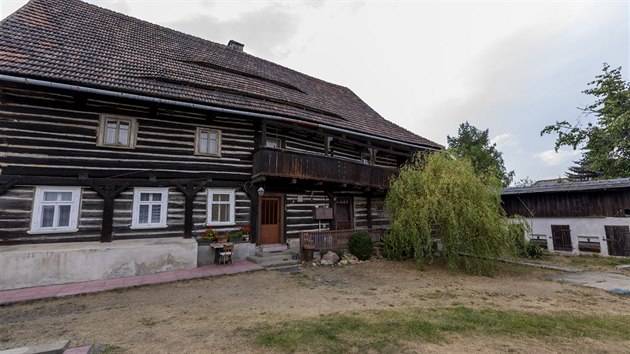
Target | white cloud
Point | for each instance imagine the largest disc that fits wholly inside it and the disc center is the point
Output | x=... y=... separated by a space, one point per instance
x=504 y=140
x=552 y=158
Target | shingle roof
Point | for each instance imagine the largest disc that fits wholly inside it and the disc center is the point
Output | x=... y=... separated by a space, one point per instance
x=570 y=186
x=69 y=41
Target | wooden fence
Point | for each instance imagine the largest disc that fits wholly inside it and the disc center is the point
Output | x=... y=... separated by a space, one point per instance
x=335 y=239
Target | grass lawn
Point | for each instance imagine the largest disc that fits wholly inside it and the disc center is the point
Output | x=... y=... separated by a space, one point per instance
x=387 y=331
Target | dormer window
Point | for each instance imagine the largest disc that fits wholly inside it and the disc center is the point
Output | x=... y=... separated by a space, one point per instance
x=119 y=132
x=208 y=142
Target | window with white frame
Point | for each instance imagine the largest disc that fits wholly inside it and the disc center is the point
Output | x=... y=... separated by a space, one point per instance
x=117 y=132
x=149 y=208
x=221 y=207
x=55 y=209
x=275 y=143
x=208 y=142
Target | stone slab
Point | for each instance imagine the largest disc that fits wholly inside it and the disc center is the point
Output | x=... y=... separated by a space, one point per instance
x=57 y=347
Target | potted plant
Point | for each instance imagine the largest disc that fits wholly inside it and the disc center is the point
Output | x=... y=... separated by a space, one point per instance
x=245 y=230
x=235 y=236
x=208 y=236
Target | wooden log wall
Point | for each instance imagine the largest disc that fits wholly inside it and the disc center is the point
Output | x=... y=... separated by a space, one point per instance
x=611 y=203
x=299 y=214
x=303 y=141
x=379 y=217
x=49 y=134
x=53 y=134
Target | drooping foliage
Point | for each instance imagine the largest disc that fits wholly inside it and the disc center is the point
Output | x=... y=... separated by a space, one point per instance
x=605 y=144
x=475 y=145
x=440 y=200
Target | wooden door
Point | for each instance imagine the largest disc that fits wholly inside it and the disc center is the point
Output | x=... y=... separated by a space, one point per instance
x=561 y=235
x=343 y=214
x=618 y=239
x=271 y=220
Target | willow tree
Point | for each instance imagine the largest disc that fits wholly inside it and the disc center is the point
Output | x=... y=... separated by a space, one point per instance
x=439 y=199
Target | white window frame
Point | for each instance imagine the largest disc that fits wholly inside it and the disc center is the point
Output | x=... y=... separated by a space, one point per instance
x=38 y=203
x=135 y=215
x=102 y=133
x=270 y=142
x=198 y=141
x=232 y=203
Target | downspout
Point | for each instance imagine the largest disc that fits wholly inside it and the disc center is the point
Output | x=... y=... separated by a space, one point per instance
x=44 y=83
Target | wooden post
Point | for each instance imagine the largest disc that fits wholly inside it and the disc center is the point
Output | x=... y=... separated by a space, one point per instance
x=369 y=211
x=108 y=192
x=263 y=133
x=190 y=189
x=7 y=185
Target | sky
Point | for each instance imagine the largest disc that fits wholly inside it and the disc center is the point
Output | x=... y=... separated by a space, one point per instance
x=512 y=67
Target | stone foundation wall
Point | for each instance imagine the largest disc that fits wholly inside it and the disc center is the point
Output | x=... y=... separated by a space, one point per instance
x=23 y=266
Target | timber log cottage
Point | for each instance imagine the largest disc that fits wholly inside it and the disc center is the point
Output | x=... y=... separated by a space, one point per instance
x=588 y=217
x=125 y=134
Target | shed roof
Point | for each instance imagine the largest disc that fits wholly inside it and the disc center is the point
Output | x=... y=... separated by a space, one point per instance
x=564 y=186
x=70 y=41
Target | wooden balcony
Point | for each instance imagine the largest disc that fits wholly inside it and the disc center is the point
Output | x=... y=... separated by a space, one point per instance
x=290 y=164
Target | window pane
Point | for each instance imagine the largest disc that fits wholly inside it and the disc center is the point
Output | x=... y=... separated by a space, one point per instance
x=224 y=212
x=66 y=196
x=214 y=215
x=221 y=197
x=64 y=215
x=48 y=215
x=156 y=211
x=123 y=133
x=51 y=196
x=144 y=197
x=213 y=148
x=156 y=197
x=110 y=132
x=203 y=142
x=143 y=218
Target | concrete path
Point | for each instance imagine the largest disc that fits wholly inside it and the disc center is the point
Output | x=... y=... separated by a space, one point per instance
x=616 y=283
x=17 y=295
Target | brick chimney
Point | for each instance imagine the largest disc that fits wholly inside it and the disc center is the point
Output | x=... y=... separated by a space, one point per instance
x=232 y=44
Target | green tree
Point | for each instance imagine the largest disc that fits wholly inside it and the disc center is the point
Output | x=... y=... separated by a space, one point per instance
x=605 y=143
x=439 y=197
x=475 y=145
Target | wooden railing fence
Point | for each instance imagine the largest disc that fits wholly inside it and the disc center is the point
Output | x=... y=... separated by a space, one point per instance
x=335 y=239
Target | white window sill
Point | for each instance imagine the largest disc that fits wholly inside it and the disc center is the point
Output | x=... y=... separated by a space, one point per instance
x=51 y=231
x=147 y=227
x=221 y=224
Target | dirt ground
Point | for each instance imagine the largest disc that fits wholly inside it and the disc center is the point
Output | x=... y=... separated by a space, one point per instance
x=221 y=314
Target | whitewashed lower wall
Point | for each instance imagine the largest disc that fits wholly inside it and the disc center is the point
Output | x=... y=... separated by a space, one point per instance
x=585 y=226
x=23 y=266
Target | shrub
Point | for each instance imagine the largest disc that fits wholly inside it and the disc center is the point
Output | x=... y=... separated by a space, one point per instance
x=533 y=251
x=360 y=245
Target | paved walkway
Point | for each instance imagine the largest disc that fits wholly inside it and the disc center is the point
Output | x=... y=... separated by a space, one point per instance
x=61 y=290
x=616 y=283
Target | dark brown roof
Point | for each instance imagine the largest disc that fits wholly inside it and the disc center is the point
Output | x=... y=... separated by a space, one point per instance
x=69 y=41
x=569 y=186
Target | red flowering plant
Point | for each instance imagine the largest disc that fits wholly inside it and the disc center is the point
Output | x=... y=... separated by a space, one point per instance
x=209 y=234
x=245 y=230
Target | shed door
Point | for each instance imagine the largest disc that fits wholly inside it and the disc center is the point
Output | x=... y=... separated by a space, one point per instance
x=343 y=214
x=561 y=235
x=270 y=220
x=618 y=239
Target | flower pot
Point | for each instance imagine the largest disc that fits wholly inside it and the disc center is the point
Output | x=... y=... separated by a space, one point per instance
x=203 y=242
x=307 y=253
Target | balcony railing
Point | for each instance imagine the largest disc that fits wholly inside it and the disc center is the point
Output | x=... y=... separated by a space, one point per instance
x=281 y=163
x=335 y=239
